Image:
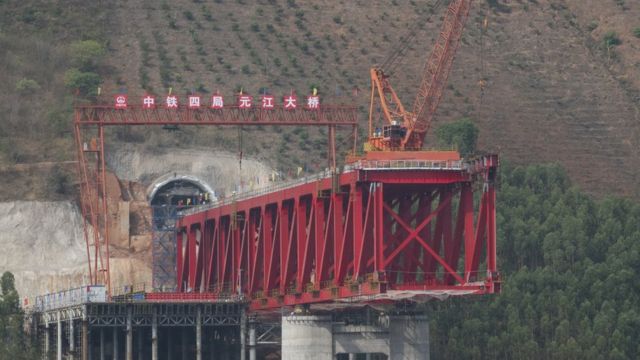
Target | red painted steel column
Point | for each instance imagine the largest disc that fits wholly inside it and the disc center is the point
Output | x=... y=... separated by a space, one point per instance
x=320 y=241
x=285 y=246
x=305 y=252
x=210 y=251
x=378 y=208
x=180 y=260
x=103 y=175
x=191 y=248
x=251 y=246
x=473 y=257
x=270 y=248
x=338 y=238
x=491 y=231
x=359 y=232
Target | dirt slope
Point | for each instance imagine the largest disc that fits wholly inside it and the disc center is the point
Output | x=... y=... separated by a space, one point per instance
x=554 y=92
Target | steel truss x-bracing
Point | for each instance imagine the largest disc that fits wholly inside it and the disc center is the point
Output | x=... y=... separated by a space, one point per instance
x=89 y=129
x=371 y=231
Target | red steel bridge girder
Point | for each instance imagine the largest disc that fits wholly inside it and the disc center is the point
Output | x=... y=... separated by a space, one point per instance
x=365 y=232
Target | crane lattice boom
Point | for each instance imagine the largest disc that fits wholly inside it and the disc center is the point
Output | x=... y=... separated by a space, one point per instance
x=415 y=124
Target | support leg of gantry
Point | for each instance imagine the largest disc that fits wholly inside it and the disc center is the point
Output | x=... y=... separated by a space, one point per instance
x=129 y=343
x=45 y=354
x=86 y=349
x=199 y=333
x=243 y=335
x=102 y=344
x=183 y=335
x=154 y=335
x=252 y=340
x=115 y=343
x=59 y=338
x=72 y=338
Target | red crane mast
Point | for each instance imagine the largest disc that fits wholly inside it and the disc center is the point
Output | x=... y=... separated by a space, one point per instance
x=406 y=130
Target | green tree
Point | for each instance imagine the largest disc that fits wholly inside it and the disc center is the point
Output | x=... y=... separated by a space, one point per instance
x=85 y=82
x=15 y=344
x=463 y=134
x=86 y=54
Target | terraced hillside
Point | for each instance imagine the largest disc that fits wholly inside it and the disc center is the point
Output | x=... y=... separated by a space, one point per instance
x=562 y=76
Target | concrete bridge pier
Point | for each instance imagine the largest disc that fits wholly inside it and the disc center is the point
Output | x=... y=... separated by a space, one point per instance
x=330 y=337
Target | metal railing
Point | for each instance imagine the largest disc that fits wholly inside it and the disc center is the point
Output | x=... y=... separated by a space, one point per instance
x=408 y=165
x=71 y=297
x=358 y=165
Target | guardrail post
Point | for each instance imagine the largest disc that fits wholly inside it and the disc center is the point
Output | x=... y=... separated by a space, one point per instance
x=199 y=333
x=59 y=338
x=72 y=343
x=129 y=344
x=154 y=335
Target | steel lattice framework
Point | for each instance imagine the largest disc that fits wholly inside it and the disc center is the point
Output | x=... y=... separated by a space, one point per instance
x=89 y=126
x=379 y=229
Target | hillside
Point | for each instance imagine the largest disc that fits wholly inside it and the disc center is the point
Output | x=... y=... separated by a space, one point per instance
x=557 y=89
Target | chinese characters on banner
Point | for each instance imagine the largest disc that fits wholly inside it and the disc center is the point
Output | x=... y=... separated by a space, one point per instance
x=266 y=102
x=149 y=102
x=217 y=102
x=171 y=102
x=244 y=101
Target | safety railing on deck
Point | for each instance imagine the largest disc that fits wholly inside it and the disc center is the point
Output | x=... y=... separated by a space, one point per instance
x=358 y=165
x=71 y=297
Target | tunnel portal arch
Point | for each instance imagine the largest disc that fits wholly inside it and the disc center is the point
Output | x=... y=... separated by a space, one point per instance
x=178 y=189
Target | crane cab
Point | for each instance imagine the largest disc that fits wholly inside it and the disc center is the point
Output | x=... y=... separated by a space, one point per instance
x=387 y=137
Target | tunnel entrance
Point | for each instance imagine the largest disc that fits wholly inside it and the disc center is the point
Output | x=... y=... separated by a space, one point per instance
x=180 y=191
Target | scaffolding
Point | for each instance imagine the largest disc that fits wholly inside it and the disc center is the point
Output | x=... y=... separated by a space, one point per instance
x=164 y=247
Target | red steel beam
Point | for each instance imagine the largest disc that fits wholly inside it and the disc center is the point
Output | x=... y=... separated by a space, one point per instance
x=331 y=239
x=230 y=115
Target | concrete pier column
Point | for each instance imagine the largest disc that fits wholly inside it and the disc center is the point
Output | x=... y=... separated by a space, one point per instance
x=243 y=336
x=199 y=333
x=102 y=343
x=252 y=340
x=409 y=337
x=154 y=335
x=353 y=356
x=59 y=338
x=307 y=337
x=86 y=347
x=115 y=343
x=72 y=342
x=129 y=343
